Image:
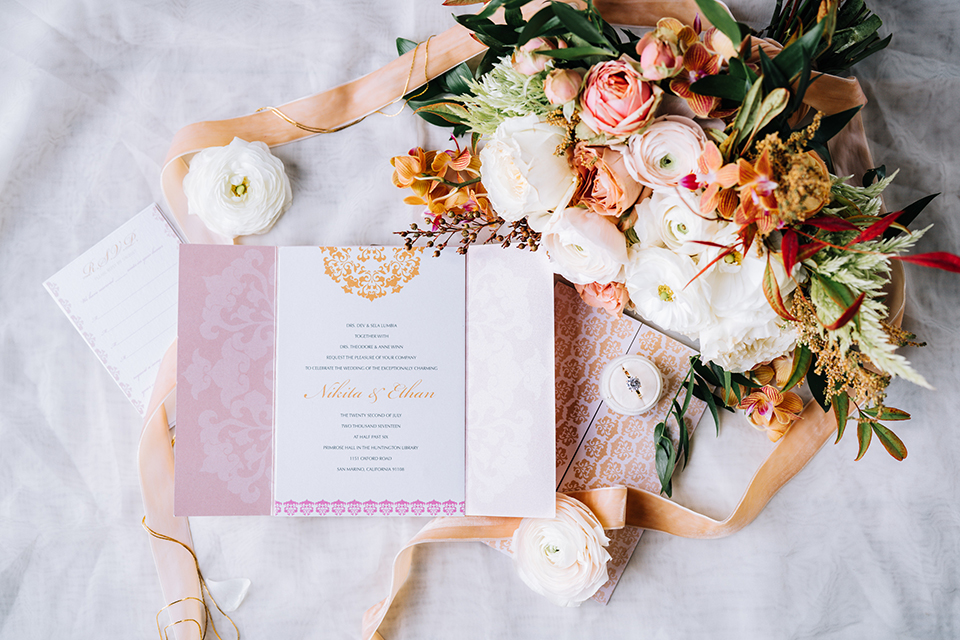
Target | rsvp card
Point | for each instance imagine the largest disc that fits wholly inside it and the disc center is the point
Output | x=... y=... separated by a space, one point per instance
x=121 y=295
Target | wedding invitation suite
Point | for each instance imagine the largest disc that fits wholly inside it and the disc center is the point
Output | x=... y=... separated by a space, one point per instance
x=362 y=381
x=121 y=295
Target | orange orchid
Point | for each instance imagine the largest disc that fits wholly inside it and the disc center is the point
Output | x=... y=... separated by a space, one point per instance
x=758 y=200
x=445 y=182
x=773 y=410
x=713 y=174
x=698 y=63
x=778 y=370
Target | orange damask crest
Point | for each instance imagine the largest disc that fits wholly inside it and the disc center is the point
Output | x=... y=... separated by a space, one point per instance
x=372 y=272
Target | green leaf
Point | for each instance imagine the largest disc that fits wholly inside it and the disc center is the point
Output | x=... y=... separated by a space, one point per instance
x=846 y=38
x=578 y=24
x=773 y=78
x=404 y=45
x=818 y=386
x=665 y=458
x=802 y=357
x=721 y=19
x=541 y=21
x=772 y=106
x=850 y=12
x=684 y=438
x=727 y=386
x=864 y=433
x=452 y=112
x=771 y=289
x=877 y=173
x=832 y=125
x=686 y=400
x=721 y=86
x=748 y=112
x=457 y=80
x=704 y=372
x=890 y=441
x=513 y=17
x=575 y=53
x=841 y=409
x=794 y=58
x=910 y=213
x=887 y=413
x=701 y=391
x=839 y=293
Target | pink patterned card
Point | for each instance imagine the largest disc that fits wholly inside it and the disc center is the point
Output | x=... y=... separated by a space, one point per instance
x=346 y=381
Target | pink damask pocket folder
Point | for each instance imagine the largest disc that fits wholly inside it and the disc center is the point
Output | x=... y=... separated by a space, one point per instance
x=363 y=381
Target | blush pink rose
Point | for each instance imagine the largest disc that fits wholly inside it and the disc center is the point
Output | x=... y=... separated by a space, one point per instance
x=616 y=100
x=604 y=184
x=562 y=85
x=610 y=297
x=658 y=59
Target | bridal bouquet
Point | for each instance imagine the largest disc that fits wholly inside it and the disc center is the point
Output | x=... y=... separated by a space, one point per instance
x=681 y=175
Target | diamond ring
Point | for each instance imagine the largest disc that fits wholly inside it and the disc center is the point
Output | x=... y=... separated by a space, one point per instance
x=633 y=383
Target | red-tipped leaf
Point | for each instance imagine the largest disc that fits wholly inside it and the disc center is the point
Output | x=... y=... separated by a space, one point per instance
x=807 y=251
x=935 y=259
x=877 y=228
x=830 y=223
x=847 y=315
x=723 y=254
x=789 y=248
x=771 y=289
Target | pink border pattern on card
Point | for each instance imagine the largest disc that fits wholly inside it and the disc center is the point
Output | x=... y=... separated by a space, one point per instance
x=368 y=508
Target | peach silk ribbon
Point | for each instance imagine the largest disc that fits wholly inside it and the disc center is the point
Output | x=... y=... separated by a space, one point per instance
x=346 y=104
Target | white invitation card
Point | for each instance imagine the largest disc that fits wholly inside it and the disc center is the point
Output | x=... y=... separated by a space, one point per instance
x=370 y=379
x=121 y=295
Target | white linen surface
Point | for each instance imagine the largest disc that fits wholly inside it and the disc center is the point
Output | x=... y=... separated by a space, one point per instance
x=92 y=94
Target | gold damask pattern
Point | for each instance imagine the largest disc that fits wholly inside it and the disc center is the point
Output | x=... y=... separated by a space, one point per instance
x=371 y=272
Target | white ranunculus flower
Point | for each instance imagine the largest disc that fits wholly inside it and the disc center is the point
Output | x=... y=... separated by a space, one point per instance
x=662 y=287
x=647 y=226
x=666 y=151
x=738 y=347
x=746 y=330
x=562 y=558
x=237 y=190
x=584 y=246
x=522 y=173
x=680 y=223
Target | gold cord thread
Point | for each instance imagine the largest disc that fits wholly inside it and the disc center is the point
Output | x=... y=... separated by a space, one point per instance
x=406 y=85
x=204 y=589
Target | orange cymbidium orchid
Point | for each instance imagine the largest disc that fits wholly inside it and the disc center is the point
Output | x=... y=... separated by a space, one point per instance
x=446 y=182
x=715 y=176
x=758 y=200
x=778 y=370
x=772 y=410
x=698 y=63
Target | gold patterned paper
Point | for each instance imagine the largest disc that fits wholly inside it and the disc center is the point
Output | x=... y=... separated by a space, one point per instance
x=597 y=447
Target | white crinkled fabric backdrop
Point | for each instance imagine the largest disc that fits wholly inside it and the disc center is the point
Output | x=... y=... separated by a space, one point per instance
x=92 y=94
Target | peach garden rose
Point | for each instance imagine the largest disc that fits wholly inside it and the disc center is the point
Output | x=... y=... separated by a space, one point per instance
x=616 y=101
